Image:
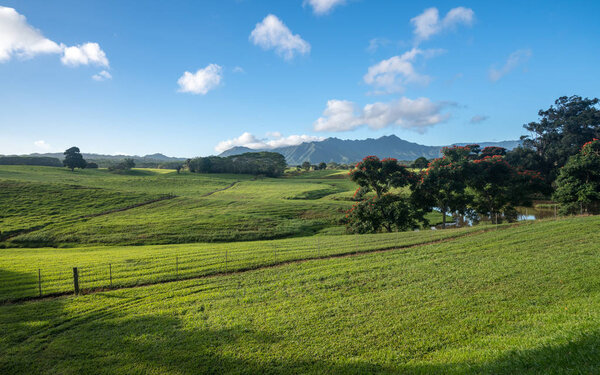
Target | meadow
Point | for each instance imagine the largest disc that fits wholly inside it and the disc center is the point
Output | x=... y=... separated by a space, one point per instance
x=64 y=208
x=523 y=299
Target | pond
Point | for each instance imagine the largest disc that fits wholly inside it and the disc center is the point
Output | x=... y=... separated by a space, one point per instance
x=524 y=214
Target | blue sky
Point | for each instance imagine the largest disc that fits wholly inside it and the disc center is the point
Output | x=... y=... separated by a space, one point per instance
x=110 y=76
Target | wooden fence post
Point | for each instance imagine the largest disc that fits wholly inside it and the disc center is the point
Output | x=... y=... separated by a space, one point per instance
x=40 y=281
x=76 y=280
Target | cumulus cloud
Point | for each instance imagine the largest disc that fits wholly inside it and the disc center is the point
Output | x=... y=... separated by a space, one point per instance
x=428 y=23
x=321 y=7
x=202 y=81
x=273 y=140
x=393 y=74
x=271 y=33
x=21 y=40
x=84 y=54
x=42 y=145
x=515 y=59
x=414 y=114
x=102 y=76
x=478 y=118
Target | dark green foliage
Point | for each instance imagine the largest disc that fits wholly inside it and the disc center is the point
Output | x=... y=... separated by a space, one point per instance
x=30 y=160
x=92 y=165
x=563 y=129
x=125 y=165
x=578 y=184
x=270 y=164
x=306 y=166
x=380 y=176
x=322 y=165
x=492 y=151
x=390 y=212
x=73 y=159
x=496 y=188
x=420 y=163
x=444 y=182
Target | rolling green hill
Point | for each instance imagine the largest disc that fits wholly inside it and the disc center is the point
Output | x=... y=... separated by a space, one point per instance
x=519 y=300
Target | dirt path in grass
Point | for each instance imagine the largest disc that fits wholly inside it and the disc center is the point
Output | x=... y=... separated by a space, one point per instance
x=218 y=190
x=266 y=266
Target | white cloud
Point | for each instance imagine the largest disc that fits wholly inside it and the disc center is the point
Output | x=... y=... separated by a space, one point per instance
x=202 y=81
x=238 y=69
x=18 y=38
x=273 y=140
x=515 y=59
x=102 y=76
x=393 y=74
x=414 y=114
x=428 y=23
x=321 y=7
x=84 y=54
x=271 y=33
x=478 y=119
x=42 y=145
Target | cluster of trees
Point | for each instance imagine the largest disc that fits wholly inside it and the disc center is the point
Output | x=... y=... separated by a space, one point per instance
x=465 y=181
x=560 y=159
x=125 y=165
x=44 y=161
x=270 y=164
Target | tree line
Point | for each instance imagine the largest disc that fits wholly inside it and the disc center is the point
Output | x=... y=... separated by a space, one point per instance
x=269 y=164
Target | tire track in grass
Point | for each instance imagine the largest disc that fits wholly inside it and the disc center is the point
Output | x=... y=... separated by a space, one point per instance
x=263 y=266
x=218 y=190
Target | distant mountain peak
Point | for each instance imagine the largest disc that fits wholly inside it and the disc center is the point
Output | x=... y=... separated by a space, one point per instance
x=349 y=151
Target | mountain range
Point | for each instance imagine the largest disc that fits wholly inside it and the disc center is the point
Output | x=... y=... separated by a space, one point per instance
x=346 y=151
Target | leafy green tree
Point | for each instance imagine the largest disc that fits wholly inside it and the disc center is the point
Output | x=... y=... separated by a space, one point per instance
x=497 y=188
x=380 y=176
x=322 y=165
x=73 y=159
x=92 y=165
x=306 y=166
x=389 y=212
x=578 y=184
x=123 y=166
x=420 y=163
x=491 y=151
x=443 y=183
x=563 y=129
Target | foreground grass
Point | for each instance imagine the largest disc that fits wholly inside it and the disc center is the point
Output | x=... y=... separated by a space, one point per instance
x=136 y=265
x=524 y=300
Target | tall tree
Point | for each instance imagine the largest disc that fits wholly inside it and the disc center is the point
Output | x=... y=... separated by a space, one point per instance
x=380 y=176
x=562 y=129
x=443 y=183
x=578 y=184
x=73 y=159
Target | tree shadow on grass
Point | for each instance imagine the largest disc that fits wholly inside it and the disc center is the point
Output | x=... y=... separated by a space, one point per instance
x=56 y=336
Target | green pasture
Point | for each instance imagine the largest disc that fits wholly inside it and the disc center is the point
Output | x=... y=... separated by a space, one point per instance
x=520 y=300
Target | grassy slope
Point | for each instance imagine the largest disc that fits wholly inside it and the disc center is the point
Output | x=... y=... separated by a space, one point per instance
x=521 y=300
x=202 y=212
x=150 y=264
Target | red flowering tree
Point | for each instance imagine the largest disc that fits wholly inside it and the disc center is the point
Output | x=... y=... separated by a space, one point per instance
x=443 y=183
x=372 y=174
x=578 y=183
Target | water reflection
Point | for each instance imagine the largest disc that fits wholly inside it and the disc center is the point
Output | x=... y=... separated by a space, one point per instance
x=523 y=214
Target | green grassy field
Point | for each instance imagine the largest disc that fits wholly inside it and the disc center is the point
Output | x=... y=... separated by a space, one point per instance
x=520 y=300
x=22 y=269
x=60 y=208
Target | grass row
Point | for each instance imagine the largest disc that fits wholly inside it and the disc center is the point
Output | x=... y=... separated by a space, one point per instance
x=525 y=300
x=128 y=266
